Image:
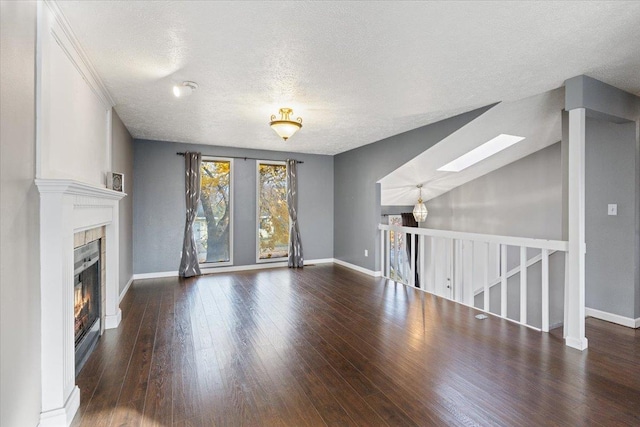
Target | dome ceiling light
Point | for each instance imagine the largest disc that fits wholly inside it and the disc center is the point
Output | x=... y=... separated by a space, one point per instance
x=184 y=89
x=285 y=127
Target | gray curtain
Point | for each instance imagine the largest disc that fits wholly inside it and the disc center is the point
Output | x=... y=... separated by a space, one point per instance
x=189 y=263
x=296 y=259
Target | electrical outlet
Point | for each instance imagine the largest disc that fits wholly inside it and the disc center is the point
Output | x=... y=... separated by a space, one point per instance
x=366 y=252
x=612 y=209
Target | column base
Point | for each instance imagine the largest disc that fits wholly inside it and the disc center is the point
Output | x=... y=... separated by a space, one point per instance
x=577 y=343
x=62 y=416
x=112 y=321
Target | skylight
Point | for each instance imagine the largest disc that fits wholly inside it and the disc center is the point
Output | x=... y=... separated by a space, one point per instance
x=481 y=152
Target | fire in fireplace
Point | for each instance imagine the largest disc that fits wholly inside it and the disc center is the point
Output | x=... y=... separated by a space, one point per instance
x=86 y=305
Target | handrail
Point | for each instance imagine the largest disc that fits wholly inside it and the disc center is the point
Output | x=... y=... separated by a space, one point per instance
x=553 y=245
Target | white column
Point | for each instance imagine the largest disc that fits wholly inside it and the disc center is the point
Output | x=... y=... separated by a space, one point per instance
x=575 y=292
x=60 y=395
x=113 y=314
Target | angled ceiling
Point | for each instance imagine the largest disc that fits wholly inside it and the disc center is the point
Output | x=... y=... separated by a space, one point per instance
x=356 y=72
x=537 y=118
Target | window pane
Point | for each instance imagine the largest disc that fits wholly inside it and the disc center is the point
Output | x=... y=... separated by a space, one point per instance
x=212 y=224
x=273 y=224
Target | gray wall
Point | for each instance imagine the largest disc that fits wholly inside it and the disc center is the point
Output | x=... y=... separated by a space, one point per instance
x=357 y=196
x=159 y=207
x=521 y=199
x=122 y=157
x=19 y=201
x=611 y=178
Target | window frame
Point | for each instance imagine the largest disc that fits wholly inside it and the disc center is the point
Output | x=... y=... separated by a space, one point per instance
x=206 y=265
x=257 y=230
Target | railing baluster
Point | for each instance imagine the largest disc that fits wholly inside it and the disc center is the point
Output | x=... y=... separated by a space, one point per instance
x=523 y=284
x=503 y=280
x=382 y=261
x=432 y=285
x=485 y=278
x=468 y=250
x=450 y=259
x=412 y=263
x=545 y=290
x=388 y=257
x=421 y=255
x=396 y=243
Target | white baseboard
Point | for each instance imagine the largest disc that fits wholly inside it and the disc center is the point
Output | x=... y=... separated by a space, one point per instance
x=613 y=318
x=126 y=289
x=319 y=261
x=230 y=269
x=357 y=268
x=157 y=275
x=112 y=321
x=62 y=416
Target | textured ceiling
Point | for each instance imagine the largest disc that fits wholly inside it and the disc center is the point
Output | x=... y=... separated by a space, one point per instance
x=356 y=72
x=537 y=118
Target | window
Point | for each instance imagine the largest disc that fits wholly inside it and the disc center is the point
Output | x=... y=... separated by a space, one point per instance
x=273 y=211
x=212 y=228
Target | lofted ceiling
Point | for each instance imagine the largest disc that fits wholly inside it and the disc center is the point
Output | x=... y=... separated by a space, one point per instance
x=356 y=72
x=537 y=118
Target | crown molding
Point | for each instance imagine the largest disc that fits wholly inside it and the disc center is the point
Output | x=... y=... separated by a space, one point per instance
x=71 y=41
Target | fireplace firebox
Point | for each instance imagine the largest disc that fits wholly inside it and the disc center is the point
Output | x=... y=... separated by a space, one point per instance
x=87 y=304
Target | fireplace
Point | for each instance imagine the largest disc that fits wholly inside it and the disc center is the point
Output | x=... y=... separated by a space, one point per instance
x=86 y=300
x=72 y=214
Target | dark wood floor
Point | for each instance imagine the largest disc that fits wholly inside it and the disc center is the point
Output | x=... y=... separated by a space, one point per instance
x=329 y=346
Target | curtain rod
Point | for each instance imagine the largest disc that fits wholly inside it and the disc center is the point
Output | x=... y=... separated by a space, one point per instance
x=246 y=158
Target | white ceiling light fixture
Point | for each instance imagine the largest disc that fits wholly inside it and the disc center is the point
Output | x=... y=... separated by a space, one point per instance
x=184 y=89
x=481 y=152
x=420 y=210
x=285 y=127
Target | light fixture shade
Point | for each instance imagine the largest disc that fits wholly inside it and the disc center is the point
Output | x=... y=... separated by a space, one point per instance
x=285 y=127
x=420 y=211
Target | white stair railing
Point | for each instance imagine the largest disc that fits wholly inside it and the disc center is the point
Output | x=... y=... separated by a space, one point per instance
x=459 y=266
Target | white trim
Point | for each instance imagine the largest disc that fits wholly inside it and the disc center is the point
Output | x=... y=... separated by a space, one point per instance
x=126 y=288
x=357 y=268
x=557 y=245
x=76 y=188
x=62 y=416
x=613 y=318
x=231 y=269
x=155 y=275
x=111 y=321
x=91 y=76
x=319 y=261
x=235 y=268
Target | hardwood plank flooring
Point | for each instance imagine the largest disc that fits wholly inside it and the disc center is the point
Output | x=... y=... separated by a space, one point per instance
x=330 y=346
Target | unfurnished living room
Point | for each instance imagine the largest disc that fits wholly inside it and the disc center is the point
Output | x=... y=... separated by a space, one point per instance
x=334 y=213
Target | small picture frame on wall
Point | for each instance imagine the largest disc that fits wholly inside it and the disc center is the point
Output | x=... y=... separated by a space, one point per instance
x=115 y=181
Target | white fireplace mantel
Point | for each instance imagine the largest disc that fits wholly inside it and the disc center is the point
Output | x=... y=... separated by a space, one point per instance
x=67 y=207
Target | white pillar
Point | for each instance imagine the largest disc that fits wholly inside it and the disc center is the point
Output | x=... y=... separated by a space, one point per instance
x=575 y=292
